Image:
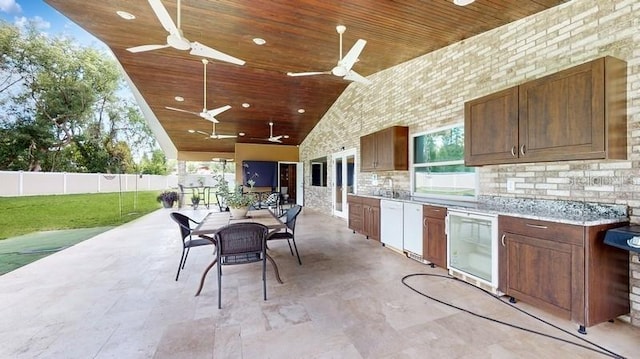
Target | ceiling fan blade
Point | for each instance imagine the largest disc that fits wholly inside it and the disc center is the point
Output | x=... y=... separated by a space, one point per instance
x=354 y=76
x=223 y=137
x=164 y=17
x=203 y=133
x=143 y=48
x=199 y=49
x=352 y=56
x=274 y=139
x=308 y=73
x=181 y=110
x=217 y=111
x=208 y=117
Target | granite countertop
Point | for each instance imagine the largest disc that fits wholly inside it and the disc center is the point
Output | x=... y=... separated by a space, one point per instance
x=569 y=212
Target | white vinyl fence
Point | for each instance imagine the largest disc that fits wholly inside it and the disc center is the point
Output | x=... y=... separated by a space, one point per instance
x=21 y=183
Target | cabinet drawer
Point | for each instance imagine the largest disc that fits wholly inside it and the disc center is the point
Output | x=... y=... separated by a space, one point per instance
x=553 y=231
x=434 y=211
x=351 y=199
x=371 y=202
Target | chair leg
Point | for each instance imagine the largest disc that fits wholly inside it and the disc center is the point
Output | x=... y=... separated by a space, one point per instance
x=185 y=257
x=219 y=284
x=180 y=265
x=296 y=247
x=290 y=249
x=264 y=276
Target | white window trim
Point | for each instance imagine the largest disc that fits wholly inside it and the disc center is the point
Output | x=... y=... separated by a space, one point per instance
x=413 y=166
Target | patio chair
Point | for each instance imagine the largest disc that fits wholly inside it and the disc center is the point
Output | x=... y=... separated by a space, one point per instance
x=241 y=243
x=188 y=242
x=289 y=233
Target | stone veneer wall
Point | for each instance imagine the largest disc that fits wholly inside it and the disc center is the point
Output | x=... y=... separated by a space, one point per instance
x=430 y=91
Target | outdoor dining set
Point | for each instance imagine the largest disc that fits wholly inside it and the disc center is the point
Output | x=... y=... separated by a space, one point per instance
x=238 y=240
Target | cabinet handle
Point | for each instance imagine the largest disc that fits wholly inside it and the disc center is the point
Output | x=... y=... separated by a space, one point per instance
x=523 y=149
x=424 y=222
x=536 y=226
x=513 y=151
x=502 y=240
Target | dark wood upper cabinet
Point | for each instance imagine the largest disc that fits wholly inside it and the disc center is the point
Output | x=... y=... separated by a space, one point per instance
x=485 y=118
x=385 y=150
x=578 y=113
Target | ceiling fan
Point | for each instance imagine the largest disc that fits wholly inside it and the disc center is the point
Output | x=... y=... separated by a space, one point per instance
x=177 y=40
x=213 y=135
x=272 y=138
x=208 y=115
x=343 y=68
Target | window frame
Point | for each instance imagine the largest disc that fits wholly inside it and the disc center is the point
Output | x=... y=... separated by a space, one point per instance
x=413 y=166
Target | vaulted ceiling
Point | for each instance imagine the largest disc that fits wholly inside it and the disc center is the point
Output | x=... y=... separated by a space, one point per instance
x=300 y=36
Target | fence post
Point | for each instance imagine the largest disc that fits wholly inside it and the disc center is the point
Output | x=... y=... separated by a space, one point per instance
x=21 y=183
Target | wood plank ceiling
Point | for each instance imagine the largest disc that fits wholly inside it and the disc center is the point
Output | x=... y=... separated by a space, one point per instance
x=300 y=36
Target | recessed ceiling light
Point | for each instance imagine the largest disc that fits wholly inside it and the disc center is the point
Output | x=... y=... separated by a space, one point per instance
x=192 y=131
x=125 y=15
x=259 y=41
x=241 y=134
x=286 y=136
x=301 y=110
x=179 y=98
x=245 y=105
x=463 y=2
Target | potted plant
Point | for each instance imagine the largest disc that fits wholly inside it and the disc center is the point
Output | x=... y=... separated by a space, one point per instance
x=195 y=199
x=167 y=198
x=239 y=202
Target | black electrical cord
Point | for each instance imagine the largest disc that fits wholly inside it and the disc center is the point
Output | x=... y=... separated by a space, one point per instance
x=603 y=350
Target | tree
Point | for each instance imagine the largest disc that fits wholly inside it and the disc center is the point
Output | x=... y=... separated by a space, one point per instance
x=62 y=108
x=157 y=165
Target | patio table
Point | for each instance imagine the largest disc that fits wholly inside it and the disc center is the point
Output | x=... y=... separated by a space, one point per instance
x=216 y=220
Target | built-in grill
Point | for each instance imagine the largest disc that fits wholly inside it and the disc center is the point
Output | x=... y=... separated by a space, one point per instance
x=627 y=238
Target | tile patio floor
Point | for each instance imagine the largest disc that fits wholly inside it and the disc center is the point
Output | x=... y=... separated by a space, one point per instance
x=114 y=296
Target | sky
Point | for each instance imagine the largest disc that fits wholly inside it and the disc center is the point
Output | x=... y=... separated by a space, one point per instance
x=47 y=19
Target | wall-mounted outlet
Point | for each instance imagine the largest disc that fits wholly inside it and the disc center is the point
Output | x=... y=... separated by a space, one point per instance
x=374 y=179
x=511 y=185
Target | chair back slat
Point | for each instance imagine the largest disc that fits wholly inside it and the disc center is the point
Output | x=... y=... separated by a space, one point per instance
x=183 y=223
x=240 y=238
x=292 y=214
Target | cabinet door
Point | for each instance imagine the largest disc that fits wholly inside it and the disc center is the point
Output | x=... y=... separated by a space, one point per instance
x=435 y=241
x=562 y=115
x=542 y=272
x=368 y=152
x=355 y=216
x=491 y=129
x=374 y=223
x=384 y=150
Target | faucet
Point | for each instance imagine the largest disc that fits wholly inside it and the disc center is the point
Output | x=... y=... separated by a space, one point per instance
x=390 y=180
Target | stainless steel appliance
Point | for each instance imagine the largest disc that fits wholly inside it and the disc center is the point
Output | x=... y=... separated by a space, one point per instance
x=472 y=247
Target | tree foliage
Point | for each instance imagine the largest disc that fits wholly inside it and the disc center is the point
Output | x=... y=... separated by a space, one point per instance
x=61 y=107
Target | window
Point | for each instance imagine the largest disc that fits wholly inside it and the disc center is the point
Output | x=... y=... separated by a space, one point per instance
x=319 y=172
x=437 y=166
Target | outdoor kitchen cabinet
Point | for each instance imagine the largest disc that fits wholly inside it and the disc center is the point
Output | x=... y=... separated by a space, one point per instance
x=355 y=213
x=434 y=240
x=364 y=216
x=575 y=114
x=385 y=150
x=563 y=268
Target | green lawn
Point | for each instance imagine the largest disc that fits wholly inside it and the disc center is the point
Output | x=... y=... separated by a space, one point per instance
x=23 y=215
x=37 y=226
